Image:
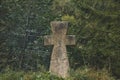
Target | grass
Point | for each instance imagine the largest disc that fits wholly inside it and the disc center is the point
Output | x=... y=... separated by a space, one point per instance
x=79 y=74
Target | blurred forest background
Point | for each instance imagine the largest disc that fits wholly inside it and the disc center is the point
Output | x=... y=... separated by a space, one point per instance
x=96 y=24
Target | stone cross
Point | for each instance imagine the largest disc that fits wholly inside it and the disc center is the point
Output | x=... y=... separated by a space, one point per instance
x=59 y=64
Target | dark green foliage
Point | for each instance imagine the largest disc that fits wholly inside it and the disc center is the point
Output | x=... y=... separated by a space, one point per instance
x=24 y=24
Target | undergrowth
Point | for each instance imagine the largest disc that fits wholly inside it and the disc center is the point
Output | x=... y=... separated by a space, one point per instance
x=79 y=74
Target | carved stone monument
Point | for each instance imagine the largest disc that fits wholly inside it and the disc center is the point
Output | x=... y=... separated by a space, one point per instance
x=59 y=64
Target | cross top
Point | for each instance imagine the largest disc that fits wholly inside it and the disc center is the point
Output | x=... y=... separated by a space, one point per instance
x=59 y=64
x=59 y=30
x=59 y=27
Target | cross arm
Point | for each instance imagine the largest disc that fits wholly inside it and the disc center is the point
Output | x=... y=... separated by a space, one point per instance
x=70 y=40
x=48 y=40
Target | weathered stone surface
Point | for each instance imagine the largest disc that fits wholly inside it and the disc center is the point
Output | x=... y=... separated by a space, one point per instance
x=59 y=64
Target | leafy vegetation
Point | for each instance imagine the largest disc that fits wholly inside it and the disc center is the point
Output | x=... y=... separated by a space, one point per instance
x=95 y=23
x=79 y=74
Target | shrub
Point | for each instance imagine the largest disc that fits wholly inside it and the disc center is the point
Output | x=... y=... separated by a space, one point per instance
x=11 y=75
x=91 y=74
x=79 y=74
